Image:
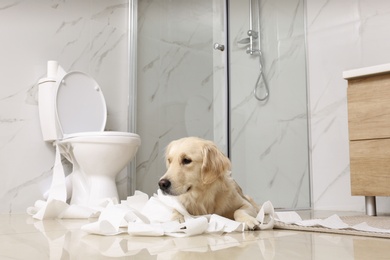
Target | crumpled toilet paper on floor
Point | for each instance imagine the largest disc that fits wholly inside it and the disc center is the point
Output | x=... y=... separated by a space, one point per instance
x=332 y=222
x=140 y=215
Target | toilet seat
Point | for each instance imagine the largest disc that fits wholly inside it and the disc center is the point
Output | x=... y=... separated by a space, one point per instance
x=100 y=134
x=102 y=137
x=80 y=105
x=106 y=133
x=81 y=111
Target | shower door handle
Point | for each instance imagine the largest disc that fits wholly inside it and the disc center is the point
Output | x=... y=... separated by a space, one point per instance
x=218 y=46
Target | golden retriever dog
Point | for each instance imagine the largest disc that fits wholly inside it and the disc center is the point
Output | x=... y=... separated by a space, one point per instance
x=199 y=174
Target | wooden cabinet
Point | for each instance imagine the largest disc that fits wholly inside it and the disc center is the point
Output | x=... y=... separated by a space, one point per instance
x=369 y=135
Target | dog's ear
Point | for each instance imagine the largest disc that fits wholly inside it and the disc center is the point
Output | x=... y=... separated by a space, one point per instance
x=215 y=163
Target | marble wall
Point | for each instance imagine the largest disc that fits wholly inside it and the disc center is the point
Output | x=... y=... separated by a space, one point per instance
x=342 y=35
x=90 y=36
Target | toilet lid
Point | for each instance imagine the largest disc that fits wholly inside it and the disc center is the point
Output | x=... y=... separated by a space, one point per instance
x=80 y=104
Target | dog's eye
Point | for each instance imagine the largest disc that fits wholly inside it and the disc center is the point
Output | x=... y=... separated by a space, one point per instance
x=169 y=161
x=186 y=161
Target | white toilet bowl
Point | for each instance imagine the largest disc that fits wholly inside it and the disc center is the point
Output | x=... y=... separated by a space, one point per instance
x=97 y=158
x=73 y=115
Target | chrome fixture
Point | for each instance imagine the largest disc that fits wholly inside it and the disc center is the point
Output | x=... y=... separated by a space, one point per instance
x=218 y=46
x=252 y=33
x=254 y=36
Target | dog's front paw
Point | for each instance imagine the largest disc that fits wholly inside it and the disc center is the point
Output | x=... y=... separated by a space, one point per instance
x=250 y=222
x=176 y=216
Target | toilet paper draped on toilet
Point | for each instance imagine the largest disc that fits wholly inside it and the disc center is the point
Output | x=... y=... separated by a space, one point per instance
x=56 y=205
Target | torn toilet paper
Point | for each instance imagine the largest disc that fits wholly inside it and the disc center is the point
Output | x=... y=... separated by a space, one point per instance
x=332 y=222
x=140 y=215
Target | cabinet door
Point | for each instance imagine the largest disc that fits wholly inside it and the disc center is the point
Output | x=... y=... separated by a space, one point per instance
x=370 y=167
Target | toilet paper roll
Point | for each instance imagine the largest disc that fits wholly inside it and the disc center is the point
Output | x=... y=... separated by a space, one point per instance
x=52 y=67
x=54 y=70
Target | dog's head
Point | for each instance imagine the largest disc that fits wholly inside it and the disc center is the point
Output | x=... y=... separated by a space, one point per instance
x=192 y=164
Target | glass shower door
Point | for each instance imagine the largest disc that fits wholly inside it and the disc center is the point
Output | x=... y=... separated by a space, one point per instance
x=182 y=91
x=269 y=138
x=181 y=86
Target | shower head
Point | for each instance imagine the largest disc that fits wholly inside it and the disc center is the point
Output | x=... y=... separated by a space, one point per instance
x=244 y=41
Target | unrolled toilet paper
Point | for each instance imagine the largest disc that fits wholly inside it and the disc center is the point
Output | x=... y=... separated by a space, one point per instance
x=332 y=222
x=138 y=215
x=55 y=206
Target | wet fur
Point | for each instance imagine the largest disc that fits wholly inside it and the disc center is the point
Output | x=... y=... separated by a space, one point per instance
x=199 y=174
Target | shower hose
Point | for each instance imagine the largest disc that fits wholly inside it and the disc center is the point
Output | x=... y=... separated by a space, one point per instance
x=261 y=81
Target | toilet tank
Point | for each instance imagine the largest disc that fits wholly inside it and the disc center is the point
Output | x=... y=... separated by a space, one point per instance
x=46 y=107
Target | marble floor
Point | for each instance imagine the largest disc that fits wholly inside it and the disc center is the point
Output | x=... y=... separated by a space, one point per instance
x=22 y=237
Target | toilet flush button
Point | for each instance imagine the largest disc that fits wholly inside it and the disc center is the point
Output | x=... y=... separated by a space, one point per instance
x=97 y=88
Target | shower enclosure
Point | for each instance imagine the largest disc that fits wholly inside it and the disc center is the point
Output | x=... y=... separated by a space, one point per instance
x=233 y=72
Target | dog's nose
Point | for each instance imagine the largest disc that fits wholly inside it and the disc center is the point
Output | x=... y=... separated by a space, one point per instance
x=164 y=184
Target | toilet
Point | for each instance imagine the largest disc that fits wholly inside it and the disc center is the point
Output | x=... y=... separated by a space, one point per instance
x=73 y=115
